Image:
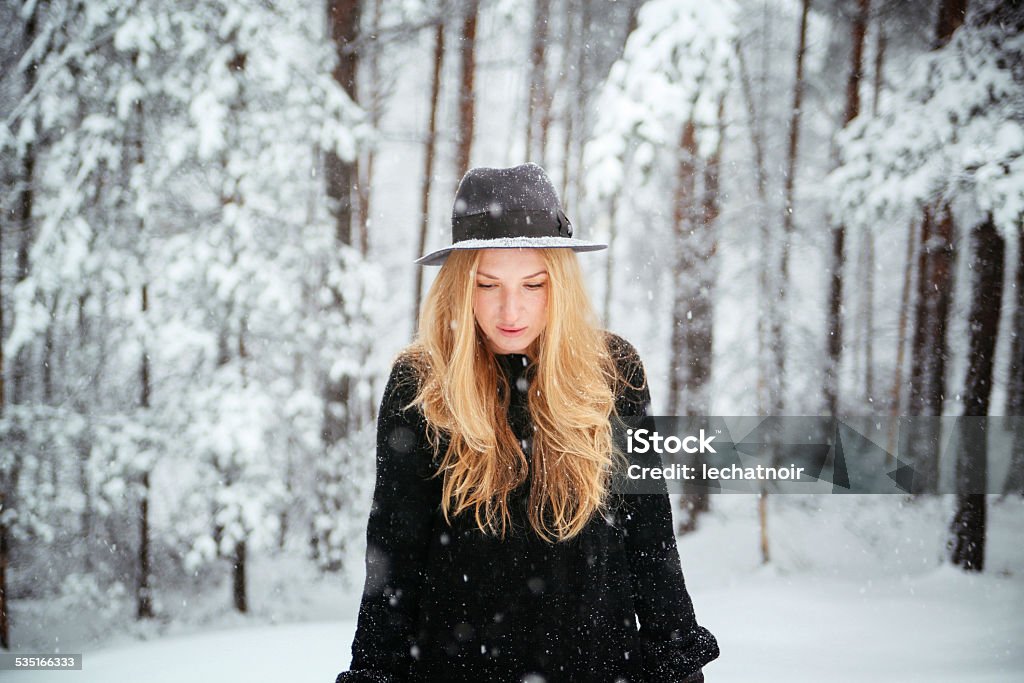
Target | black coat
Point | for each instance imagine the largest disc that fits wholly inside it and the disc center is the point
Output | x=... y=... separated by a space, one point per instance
x=452 y=604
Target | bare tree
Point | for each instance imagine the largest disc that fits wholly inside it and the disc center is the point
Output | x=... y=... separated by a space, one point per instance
x=428 y=163
x=967 y=543
x=834 y=325
x=901 y=339
x=18 y=370
x=683 y=220
x=868 y=240
x=467 y=94
x=782 y=284
x=755 y=127
x=374 y=105
x=699 y=333
x=1014 y=482
x=343 y=24
x=537 y=95
x=343 y=17
x=934 y=296
x=573 y=51
x=143 y=590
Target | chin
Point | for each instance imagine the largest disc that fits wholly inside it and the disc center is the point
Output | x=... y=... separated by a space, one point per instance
x=503 y=347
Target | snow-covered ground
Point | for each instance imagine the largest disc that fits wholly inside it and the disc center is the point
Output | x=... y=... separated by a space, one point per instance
x=857 y=591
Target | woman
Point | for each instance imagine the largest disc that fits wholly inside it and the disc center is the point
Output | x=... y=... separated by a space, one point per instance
x=495 y=550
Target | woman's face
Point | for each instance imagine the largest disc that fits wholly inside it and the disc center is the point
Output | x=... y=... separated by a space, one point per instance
x=510 y=299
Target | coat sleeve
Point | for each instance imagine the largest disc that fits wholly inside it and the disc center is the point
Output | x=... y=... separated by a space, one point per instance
x=397 y=538
x=674 y=646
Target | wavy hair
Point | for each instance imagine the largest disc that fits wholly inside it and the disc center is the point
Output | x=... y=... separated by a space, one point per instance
x=464 y=397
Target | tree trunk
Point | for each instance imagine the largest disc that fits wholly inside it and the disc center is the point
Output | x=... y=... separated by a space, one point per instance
x=880 y=43
x=573 y=27
x=869 y=350
x=768 y=384
x=778 y=342
x=581 y=107
x=537 y=96
x=863 y=335
x=5 y=640
x=923 y=435
x=609 y=269
x=1014 y=482
x=935 y=282
x=682 y=225
x=950 y=18
x=835 y=299
x=940 y=291
x=5 y=483
x=467 y=95
x=5 y=549
x=341 y=175
x=938 y=298
x=765 y=397
x=143 y=589
x=762 y=516
x=365 y=183
x=968 y=527
x=428 y=166
x=238 y=578
x=700 y=334
x=901 y=343
x=19 y=372
x=343 y=24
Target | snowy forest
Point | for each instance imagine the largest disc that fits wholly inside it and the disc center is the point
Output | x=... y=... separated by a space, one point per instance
x=209 y=211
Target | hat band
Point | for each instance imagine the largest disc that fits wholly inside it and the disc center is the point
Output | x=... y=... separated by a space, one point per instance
x=516 y=223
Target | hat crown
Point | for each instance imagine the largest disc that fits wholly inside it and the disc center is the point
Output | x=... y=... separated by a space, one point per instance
x=496 y=191
x=513 y=207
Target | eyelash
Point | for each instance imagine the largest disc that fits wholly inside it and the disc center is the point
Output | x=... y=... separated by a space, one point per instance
x=536 y=286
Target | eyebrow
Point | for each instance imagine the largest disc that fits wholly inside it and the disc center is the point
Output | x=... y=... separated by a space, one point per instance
x=539 y=272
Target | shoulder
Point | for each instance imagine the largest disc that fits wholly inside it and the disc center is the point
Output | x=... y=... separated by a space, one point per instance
x=404 y=380
x=632 y=395
x=408 y=366
x=619 y=347
x=625 y=356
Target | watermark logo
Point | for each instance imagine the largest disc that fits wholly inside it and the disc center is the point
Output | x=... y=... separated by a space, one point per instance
x=815 y=454
x=646 y=441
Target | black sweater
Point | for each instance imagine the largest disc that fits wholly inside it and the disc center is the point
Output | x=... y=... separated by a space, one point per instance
x=449 y=603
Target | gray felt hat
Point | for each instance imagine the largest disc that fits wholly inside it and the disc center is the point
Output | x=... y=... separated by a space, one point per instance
x=505 y=208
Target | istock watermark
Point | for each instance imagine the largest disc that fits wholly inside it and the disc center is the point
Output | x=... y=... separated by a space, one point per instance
x=643 y=440
x=811 y=454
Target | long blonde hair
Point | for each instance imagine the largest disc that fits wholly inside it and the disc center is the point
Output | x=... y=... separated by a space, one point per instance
x=571 y=399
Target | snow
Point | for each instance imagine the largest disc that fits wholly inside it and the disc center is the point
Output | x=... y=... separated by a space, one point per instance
x=887 y=630
x=950 y=130
x=856 y=591
x=675 y=68
x=268 y=653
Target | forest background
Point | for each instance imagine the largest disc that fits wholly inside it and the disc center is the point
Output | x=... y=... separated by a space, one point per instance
x=209 y=211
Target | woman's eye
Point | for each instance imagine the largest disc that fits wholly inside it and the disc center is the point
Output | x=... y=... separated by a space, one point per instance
x=535 y=286
x=483 y=286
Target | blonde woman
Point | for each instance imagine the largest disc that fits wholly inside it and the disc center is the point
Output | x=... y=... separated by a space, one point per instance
x=495 y=549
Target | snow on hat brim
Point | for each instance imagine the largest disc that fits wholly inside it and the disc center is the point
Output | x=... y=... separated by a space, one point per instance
x=438 y=257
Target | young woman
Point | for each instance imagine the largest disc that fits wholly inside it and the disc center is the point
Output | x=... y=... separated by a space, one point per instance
x=495 y=549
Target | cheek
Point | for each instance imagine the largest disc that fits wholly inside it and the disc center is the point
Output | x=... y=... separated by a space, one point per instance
x=540 y=309
x=479 y=307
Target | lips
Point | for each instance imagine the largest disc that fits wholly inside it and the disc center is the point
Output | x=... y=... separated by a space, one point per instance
x=511 y=331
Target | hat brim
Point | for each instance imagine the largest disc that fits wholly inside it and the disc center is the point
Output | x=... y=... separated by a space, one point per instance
x=437 y=258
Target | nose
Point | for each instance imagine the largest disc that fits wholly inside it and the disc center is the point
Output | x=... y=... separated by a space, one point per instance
x=511 y=301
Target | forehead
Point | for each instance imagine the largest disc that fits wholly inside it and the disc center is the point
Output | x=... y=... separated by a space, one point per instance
x=514 y=262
